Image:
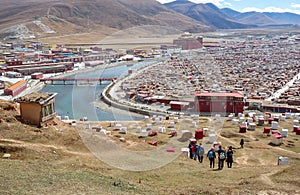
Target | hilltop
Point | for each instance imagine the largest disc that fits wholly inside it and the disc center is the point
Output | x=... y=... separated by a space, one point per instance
x=207 y=14
x=54 y=159
x=227 y=18
x=78 y=21
x=84 y=20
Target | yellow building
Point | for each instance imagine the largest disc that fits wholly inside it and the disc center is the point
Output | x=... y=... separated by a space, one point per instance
x=2 y=60
x=37 y=108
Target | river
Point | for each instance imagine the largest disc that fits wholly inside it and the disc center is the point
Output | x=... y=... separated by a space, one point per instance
x=77 y=101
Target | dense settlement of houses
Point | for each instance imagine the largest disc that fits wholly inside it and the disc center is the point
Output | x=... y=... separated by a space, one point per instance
x=221 y=77
x=21 y=62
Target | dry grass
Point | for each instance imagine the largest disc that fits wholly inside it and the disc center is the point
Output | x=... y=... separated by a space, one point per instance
x=55 y=160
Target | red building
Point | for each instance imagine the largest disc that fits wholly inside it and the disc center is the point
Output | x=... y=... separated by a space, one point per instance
x=37 y=75
x=16 y=88
x=223 y=103
x=14 y=62
x=179 y=106
x=187 y=41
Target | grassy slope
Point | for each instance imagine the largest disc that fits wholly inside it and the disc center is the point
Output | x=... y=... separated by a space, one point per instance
x=54 y=160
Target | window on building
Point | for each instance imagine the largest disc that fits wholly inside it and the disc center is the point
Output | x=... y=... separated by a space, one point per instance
x=48 y=110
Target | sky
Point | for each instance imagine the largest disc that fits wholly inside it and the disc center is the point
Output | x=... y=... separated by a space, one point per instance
x=292 y=6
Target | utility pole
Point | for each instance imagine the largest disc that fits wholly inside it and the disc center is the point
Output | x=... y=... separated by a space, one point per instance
x=48 y=13
x=88 y=24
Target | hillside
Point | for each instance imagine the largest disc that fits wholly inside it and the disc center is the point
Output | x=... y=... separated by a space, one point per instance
x=60 y=18
x=53 y=159
x=255 y=18
x=265 y=18
x=207 y=14
x=227 y=18
x=90 y=21
x=284 y=18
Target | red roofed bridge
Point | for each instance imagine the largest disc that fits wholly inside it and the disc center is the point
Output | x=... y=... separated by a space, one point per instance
x=72 y=81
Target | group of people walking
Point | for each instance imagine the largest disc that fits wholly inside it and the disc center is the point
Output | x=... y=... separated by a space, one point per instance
x=197 y=152
x=222 y=157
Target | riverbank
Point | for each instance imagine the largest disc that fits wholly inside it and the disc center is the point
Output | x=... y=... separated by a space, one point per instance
x=90 y=69
x=77 y=101
x=109 y=102
x=112 y=96
x=100 y=104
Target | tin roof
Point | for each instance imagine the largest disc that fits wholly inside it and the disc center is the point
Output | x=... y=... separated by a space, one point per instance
x=179 y=103
x=214 y=94
x=36 y=97
x=276 y=135
x=16 y=85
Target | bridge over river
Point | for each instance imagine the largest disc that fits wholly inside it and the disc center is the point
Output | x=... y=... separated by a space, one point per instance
x=76 y=81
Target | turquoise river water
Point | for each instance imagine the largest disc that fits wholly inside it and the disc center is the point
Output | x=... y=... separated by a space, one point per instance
x=77 y=101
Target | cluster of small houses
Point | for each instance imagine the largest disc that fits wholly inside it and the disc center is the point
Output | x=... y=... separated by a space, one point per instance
x=154 y=126
x=270 y=122
x=142 y=131
x=260 y=67
x=38 y=109
x=256 y=68
x=20 y=60
x=43 y=104
x=292 y=95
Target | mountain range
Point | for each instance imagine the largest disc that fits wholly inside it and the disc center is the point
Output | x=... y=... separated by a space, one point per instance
x=265 y=18
x=227 y=18
x=61 y=18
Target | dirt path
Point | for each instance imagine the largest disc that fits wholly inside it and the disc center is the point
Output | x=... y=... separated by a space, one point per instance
x=40 y=147
x=266 y=178
x=228 y=140
x=288 y=151
x=242 y=160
